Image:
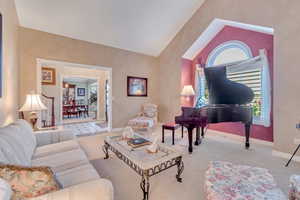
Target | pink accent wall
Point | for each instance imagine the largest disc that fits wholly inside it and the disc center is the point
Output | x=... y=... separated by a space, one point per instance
x=255 y=41
x=186 y=74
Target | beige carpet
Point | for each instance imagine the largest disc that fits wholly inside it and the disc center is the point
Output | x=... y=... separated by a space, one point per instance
x=165 y=187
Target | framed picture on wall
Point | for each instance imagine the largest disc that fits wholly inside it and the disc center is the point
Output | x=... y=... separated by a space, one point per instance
x=81 y=91
x=137 y=86
x=1 y=76
x=48 y=76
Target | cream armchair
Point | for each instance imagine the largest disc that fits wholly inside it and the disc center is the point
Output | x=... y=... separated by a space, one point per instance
x=145 y=120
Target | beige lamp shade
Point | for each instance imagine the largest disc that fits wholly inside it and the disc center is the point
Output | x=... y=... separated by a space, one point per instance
x=33 y=103
x=188 y=91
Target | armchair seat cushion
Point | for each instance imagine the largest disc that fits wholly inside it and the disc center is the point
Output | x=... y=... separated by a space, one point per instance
x=141 y=122
x=55 y=148
x=77 y=175
x=62 y=161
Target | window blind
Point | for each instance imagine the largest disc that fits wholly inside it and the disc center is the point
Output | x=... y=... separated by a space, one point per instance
x=251 y=78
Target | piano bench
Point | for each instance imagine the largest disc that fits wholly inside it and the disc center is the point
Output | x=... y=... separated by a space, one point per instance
x=171 y=126
x=224 y=180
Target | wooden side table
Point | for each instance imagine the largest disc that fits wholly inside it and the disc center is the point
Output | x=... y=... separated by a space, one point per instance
x=171 y=126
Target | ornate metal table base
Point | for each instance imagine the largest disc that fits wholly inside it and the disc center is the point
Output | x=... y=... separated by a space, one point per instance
x=145 y=186
x=180 y=168
x=146 y=174
x=105 y=150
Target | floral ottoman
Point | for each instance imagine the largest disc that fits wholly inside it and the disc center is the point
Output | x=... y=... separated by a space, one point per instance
x=225 y=181
x=294 y=193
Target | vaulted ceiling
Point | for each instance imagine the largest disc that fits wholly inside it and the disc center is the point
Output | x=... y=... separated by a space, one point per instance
x=137 y=25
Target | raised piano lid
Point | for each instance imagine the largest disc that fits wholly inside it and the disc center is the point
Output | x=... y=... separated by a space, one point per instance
x=224 y=91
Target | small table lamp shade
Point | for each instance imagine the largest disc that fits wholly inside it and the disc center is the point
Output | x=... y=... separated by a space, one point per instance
x=33 y=103
x=187 y=91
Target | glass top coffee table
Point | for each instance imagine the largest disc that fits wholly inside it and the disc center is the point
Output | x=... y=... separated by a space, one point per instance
x=142 y=162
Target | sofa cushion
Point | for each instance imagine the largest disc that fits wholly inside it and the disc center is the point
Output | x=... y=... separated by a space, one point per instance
x=59 y=134
x=51 y=149
x=7 y=154
x=77 y=175
x=3 y=158
x=11 y=144
x=62 y=161
x=100 y=189
x=18 y=142
x=27 y=132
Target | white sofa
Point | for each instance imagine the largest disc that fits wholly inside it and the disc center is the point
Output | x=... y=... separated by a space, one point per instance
x=19 y=145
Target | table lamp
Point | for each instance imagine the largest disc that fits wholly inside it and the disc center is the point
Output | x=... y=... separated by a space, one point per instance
x=33 y=104
x=188 y=91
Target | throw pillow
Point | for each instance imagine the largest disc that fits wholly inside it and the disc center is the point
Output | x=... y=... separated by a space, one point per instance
x=28 y=182
x=5 y=190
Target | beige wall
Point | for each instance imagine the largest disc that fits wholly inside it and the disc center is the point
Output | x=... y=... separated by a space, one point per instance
x=35 y=44
x=9 y=101
x=284 y=17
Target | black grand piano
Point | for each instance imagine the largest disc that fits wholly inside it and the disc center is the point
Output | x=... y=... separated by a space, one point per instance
x=227 y=103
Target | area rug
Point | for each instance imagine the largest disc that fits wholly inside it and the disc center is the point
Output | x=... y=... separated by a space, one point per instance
x=164 y=185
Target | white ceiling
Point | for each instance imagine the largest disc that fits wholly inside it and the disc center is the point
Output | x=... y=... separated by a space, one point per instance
x=144 y=26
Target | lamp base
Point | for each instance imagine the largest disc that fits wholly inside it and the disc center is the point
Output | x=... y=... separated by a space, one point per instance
x=33 y=119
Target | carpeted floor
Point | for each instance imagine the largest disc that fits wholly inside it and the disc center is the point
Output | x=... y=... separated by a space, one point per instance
x=164 y=185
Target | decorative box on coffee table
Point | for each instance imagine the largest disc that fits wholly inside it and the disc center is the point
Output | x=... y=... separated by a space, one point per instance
x=142 y=162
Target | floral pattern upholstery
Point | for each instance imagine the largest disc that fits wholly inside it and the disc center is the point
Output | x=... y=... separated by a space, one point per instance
x=294 y=193
x=225 y=181
x=28 y=182
x=146 y=119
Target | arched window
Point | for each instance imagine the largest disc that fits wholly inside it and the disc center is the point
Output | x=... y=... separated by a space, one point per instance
x=231 y=52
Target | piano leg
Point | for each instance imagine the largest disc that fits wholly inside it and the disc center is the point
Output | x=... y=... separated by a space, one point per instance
x=247 y=133
x=190 y=133
x=198 y=139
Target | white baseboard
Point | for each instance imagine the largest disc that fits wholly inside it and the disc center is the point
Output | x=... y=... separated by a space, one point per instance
x=240 y=138
x=285 y=155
